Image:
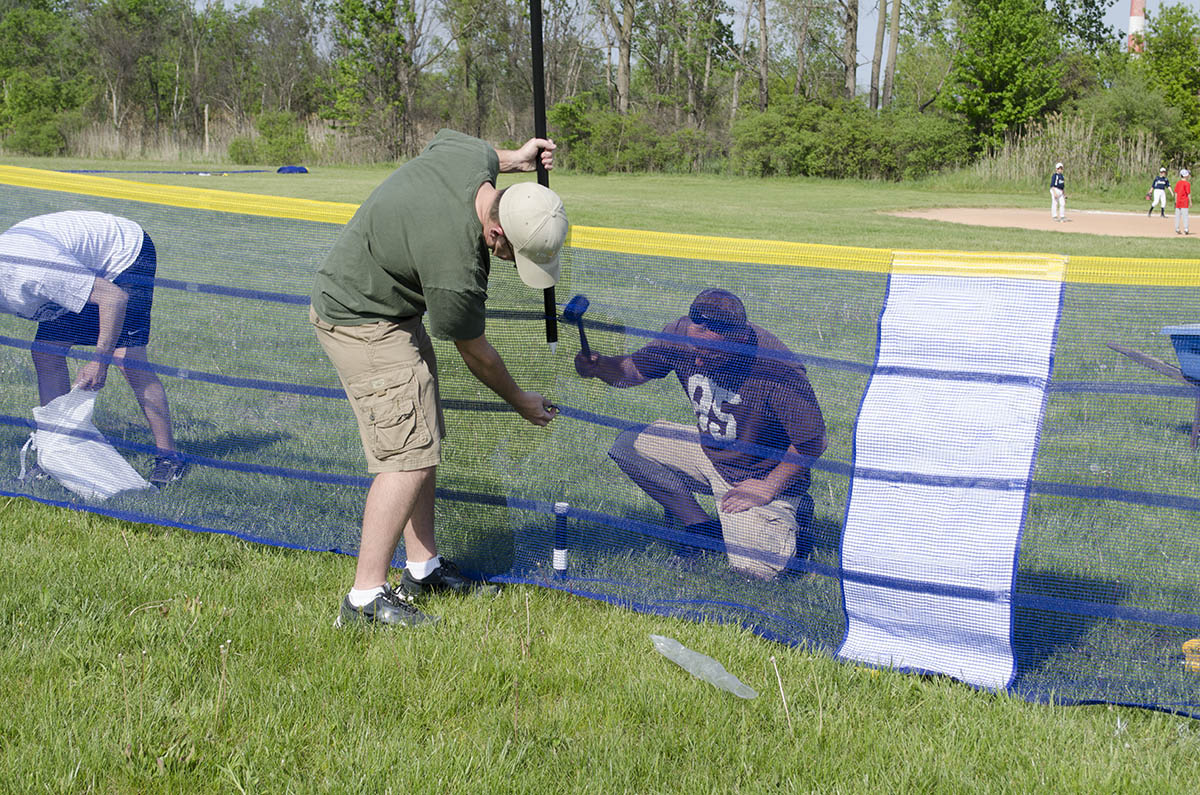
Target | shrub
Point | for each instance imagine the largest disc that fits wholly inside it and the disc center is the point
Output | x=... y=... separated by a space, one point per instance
x=36 y=133
x=242 y=151
x=1132 y=105
x=598 y=140
x=925 y=143
x=37 y=111
x=283 y=138
x=765 y=144
x=795 y=137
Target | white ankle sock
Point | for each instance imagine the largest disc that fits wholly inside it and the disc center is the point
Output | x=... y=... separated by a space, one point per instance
x=364 y=597
x=422 y=569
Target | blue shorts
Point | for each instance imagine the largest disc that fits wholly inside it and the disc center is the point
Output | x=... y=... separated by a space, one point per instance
x=83 y=328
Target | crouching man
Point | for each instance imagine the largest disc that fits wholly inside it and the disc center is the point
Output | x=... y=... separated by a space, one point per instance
x=758 y=426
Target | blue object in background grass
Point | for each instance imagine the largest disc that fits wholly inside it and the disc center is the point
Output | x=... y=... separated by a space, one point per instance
x=291 y=170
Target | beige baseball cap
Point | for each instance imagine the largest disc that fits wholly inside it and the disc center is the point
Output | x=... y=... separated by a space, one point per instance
x=535 y=222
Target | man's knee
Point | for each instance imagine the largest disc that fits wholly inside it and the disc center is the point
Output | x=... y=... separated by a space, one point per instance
x=133 y=364
x=624 y=451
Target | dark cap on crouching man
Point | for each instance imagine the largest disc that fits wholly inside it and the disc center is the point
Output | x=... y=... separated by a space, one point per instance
x=419 y=249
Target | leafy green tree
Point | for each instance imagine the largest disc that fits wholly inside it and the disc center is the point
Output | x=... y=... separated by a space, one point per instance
x=1081 y=23
x=573 y=61
x=471 y=73
x=42 y=82
x=1007 y=71
x=1173 y=58
x=620 y=15
x=137 y=55
x=370 y=86
x=226 y=71
x=680 y=45
x=381 y=50
x=285 y=48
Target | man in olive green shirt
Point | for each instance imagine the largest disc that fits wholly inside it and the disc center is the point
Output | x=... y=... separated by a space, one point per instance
x=421 y=245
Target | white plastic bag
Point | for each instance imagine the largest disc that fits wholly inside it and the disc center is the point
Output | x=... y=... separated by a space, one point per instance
x=74 y=452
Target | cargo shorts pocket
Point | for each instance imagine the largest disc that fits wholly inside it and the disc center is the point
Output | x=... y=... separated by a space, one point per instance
x=389 y=407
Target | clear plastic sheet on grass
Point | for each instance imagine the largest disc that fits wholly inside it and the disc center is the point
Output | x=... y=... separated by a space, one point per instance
x=701 y=666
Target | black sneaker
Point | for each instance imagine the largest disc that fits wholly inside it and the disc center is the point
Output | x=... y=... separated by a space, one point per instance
x=445 y=578
x=168 y=469
x=387 y=608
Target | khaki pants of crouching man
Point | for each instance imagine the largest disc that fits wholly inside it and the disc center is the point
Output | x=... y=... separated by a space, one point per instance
x=389 y=372
x=759 y=541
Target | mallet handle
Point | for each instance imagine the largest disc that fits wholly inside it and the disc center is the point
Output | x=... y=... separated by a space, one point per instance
x=583 y=343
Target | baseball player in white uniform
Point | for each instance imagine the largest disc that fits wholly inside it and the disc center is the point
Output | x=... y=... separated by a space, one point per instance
x=1159 y=188
x=1058 y=194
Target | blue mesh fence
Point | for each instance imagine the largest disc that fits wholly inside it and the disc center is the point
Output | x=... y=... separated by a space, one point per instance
x=1096 y=539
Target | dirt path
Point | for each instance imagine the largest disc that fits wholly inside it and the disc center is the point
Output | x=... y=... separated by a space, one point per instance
x=1091 y=222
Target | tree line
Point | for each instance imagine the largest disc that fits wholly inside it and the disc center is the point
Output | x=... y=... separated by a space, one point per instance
x=768 y=87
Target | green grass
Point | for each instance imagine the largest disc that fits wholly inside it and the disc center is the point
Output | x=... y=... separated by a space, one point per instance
x=115 y=682
x=539 y=690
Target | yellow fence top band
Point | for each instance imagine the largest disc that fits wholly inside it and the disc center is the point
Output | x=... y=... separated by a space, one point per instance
x=728 y=249
x=1088 y=270
x=1149 y=272
x=178 y=196
x=1045 y=267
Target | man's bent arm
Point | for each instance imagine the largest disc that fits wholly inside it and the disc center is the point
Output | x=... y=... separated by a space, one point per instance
x=753 y=492
x=618 y=371
x=525 y=158
x=110 y=301
x=485 y=363
x=779 y=478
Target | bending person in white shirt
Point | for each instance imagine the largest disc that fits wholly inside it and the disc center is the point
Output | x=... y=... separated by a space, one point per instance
x=87 y=278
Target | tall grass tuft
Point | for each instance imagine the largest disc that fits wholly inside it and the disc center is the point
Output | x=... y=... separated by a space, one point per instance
x=1090 y=155
x=102 y=141
x=329 y=144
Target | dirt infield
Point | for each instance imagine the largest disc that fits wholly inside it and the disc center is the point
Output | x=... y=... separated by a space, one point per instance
x=1090 y=222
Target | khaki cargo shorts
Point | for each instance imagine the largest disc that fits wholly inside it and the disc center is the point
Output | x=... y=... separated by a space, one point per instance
x=759 y=541
x=389 y=372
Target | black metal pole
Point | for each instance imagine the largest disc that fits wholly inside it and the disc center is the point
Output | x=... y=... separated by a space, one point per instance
x=549 y=304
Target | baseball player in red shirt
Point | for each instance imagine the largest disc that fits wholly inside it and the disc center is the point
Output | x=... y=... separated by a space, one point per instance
x=1183 y=196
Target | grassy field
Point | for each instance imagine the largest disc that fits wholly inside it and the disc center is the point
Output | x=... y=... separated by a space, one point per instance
x=149 y=659
x=116 y=681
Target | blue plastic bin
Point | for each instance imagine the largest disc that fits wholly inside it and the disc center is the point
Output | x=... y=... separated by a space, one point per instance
x=1186 y=341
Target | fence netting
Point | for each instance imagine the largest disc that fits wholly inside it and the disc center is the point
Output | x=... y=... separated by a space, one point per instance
x=1005 y=493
